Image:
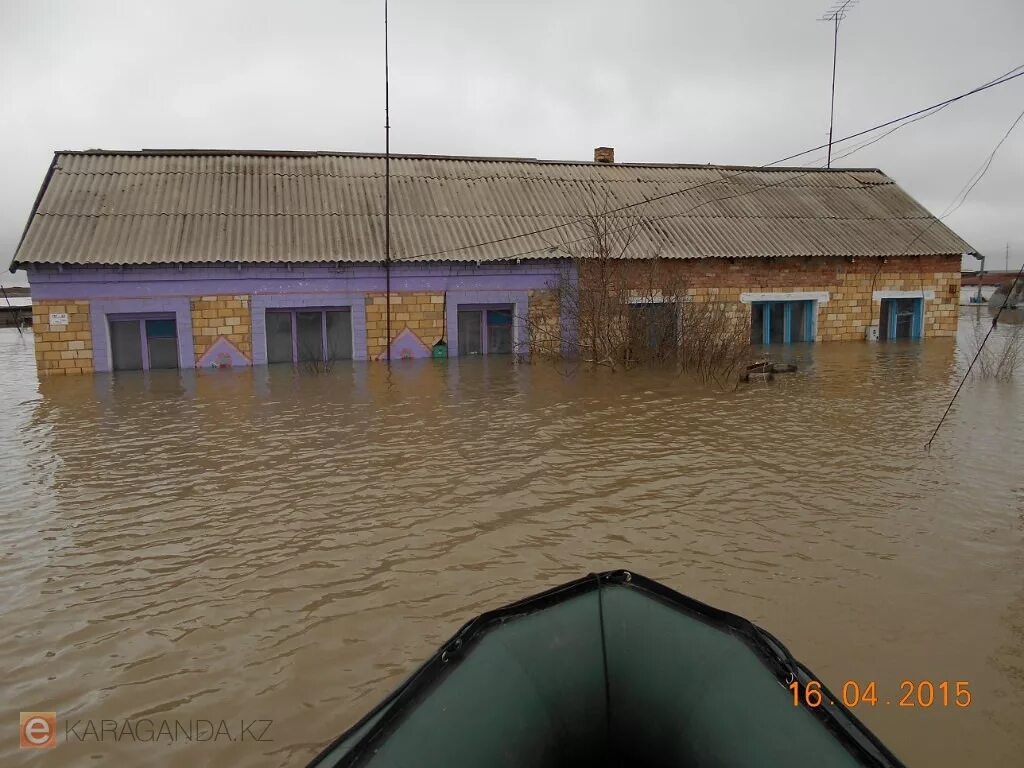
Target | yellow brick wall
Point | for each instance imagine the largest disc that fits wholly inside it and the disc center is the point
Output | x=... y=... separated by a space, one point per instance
x=421 y=313
x=544 y=319
x=215 y=316
x=62 y=349
x=851 y=308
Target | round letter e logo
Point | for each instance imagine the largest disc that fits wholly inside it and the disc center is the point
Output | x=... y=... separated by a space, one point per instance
x=38 y=730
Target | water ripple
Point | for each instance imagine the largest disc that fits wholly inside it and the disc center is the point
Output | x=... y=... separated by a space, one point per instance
x=265 y=544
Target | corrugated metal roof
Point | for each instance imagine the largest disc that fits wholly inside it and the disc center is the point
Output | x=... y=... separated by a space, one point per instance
x=178 y=206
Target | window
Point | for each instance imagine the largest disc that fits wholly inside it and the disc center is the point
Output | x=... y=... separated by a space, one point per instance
x=309 y=336
x=485 y=331
x=901 y=319
x=279 y=337
x=654 y=327
x=162 y=341
x=499 y=331
x=470 y=338
x=304 y=335
x=781 y=322
x=143 y=343
x=338 y=333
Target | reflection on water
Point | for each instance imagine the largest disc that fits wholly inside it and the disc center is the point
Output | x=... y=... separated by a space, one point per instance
x=269 y=545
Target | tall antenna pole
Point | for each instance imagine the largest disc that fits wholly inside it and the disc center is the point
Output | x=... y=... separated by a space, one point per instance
x=832 y=109
x=835 y=14
x=387 y=192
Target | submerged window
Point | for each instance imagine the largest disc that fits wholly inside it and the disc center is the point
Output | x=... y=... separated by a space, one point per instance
x=279 y=337
x=143 y=343
x=304 y=335
x=499 y=331
x=485 y=331
x=162 y=341
x=654 y=327
x=781 y=322
x=901 y=318
x=309 y=336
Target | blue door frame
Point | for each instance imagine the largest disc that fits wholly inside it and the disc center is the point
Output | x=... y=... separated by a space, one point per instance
x=787 y=334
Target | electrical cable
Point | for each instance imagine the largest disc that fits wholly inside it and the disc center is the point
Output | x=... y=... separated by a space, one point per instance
x=982 y=170
x=995 y=322
x=910 y=117
x=977 y=177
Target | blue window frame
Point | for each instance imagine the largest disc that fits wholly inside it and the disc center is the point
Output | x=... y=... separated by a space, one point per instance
x=781 y=322
x=901 y=319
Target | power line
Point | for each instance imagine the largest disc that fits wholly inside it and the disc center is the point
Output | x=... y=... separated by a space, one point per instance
x=983 y=169
x=1014 y=73
x=967 y=373
x=926 y=113
x=977 y=177
x=785 y=179
x=868 y=142
x=951 y=208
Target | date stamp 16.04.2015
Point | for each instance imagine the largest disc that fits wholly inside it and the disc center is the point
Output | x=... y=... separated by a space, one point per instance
x=913 y=694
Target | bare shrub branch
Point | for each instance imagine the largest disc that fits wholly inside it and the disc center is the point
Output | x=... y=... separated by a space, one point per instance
x=312 y=360
x=1002 y=358
x=621 y=306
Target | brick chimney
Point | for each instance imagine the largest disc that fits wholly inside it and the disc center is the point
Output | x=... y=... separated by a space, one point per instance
x=604 y=154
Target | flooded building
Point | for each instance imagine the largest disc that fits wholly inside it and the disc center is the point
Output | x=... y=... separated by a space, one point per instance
x=183 y=259
x=977 y=288
x=15 y=306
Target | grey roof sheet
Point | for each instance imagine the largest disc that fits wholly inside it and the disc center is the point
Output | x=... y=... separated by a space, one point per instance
x=192 y=206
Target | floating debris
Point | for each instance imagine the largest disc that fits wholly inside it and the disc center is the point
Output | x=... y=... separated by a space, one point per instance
x=765 y=370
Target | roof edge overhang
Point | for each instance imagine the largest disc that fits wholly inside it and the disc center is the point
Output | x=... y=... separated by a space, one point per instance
x=32 y=214
x=170 y=152
x=466 y=262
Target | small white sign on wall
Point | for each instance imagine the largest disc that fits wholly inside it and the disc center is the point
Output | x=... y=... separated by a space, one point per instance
x=58 y=318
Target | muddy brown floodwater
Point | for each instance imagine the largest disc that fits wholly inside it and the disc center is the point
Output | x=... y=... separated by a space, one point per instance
x=266 y=545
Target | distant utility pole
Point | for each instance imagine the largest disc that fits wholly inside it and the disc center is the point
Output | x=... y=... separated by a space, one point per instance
x=835 y=14
x=981 y=278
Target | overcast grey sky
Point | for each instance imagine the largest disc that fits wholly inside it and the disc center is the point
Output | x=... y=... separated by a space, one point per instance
x=734 y=81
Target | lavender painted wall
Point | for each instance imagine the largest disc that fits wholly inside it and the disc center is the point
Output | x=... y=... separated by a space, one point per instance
x=202 y=280
x=168 y=289
x=99 y=309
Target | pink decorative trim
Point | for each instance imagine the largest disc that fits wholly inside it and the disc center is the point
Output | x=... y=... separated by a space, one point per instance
x=223 y=354
x=407 y=346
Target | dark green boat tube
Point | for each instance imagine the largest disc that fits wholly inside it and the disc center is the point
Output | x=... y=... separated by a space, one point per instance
x=610 y=670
